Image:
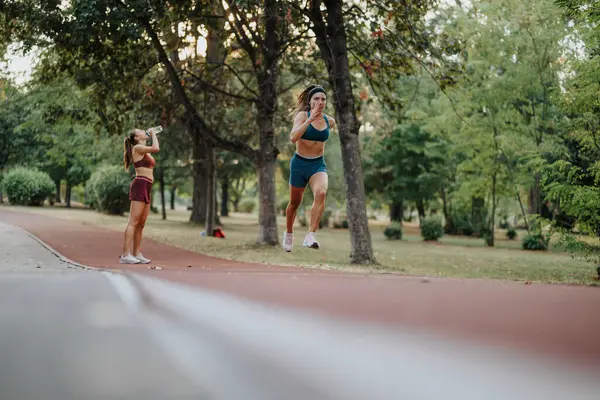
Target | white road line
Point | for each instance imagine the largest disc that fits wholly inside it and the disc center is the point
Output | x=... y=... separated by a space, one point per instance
x=349 y=361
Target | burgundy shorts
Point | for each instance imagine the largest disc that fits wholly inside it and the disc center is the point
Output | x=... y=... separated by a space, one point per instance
x=141 y=190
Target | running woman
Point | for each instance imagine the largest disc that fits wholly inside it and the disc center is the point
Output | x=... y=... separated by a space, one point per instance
x=140 y=191
x=307 y=166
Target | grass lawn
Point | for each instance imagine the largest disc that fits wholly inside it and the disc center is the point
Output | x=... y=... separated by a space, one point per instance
x=452 y=257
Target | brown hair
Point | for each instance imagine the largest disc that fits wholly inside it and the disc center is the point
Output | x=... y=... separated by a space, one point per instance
x=130 y=141
x=302 y=104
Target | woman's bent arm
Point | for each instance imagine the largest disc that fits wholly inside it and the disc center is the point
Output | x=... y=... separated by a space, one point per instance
x=301 y=123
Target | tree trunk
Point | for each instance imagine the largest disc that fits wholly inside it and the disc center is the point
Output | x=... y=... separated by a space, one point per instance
x=492 y=229
x=535 y=196
x=449 y=226
x=266 y=106
x=225 y=197
x=240 y=186
x=267 y=212
x=199 y=196
x=478 y=214
x=57 y=186
x=397 y=211
x=211 y=173
x=161 y=181
x=331 y=39
x=420 y=210
x=68 y=192
x=173 y=192
x=215 y=55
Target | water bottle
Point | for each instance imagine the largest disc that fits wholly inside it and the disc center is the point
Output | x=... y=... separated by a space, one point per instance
x=156 y=129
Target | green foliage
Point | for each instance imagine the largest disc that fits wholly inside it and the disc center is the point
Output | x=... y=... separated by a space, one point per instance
x=324 y=222
x=340 y=224
x=535 y=241
x=247 y=206
x=511 y=234
x=431 y=228
x=393 y=231
x=404 y=165
x=283 y=203
x=107 y=190
x=25 y=186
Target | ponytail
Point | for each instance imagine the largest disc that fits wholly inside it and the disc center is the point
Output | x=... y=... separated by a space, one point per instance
x=302 y=104
x=127 y=153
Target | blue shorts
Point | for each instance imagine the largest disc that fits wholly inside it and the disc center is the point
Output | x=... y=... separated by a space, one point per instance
x=302 y=168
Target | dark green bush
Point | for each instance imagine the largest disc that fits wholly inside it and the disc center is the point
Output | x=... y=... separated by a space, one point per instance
x=247 y=205
x=393 y=231
x=324 y=222
x=107 y=190
x=460 y=222
x=511 y=233
x=27 y=187
x=340 y=224
x=431 y=228
x=534 y=242
x=283 y=203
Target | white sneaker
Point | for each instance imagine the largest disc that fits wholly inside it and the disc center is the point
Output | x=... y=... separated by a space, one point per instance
x=310 y=240
x=128 y=259
x=142 y=259
x=288 y=239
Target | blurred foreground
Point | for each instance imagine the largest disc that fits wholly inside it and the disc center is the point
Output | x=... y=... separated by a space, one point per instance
x=68 y=333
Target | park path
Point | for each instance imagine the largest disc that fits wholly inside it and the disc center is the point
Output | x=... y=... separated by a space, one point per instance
x=560 y=321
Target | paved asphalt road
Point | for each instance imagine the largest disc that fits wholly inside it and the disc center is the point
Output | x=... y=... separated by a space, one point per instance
x=68 y=333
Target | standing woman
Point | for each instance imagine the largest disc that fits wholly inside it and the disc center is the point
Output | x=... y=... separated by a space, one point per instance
x=140 y=191
x=307 y=166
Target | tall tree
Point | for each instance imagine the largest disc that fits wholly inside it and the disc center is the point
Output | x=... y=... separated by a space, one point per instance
x=373 y=43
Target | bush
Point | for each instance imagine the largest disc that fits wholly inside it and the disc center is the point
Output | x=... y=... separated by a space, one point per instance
x=511 y=233
x=324 y=222
x=28 y=187
x=393 y=231
x=341 y=224
x=107 y=190
x=535 y=242
x=283 y=206
x=431 y=228
x=247 y=206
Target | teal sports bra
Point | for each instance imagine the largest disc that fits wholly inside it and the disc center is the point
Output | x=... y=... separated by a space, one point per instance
x=316 y=135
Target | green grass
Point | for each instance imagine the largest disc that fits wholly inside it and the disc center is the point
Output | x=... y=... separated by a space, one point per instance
x=459 y=257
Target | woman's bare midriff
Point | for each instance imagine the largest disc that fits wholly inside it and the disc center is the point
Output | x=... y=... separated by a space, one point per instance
x=145 y=172
x=310 y=148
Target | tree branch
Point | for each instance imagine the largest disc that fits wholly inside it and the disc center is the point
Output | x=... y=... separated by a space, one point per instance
x=238 y=76
x=207 y=85
x=292 y=41
x=287 y=89
x=200 y=125
x=242 y=38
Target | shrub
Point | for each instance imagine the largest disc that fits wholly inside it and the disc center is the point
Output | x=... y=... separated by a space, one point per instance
x=247 y=206
x=534 y=242
x=283 y=203
x=511 y=233
x=345 y=224
x=324 y=222
x=393 y=231
x=302 y=220
x=28 y=187
x=107 y=190
x=431 y=228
